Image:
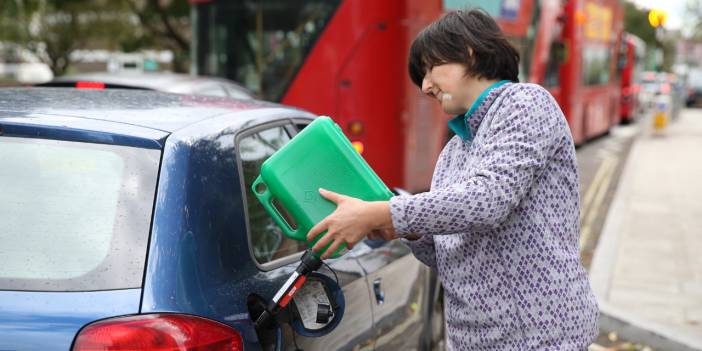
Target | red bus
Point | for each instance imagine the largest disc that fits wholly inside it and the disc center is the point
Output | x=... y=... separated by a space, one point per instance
x=590 y=90
x=632 y=62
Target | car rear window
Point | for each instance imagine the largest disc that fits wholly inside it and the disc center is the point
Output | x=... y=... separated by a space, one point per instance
x=75 y=216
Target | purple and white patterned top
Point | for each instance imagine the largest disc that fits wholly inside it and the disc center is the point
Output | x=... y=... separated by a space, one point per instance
x=501 y=226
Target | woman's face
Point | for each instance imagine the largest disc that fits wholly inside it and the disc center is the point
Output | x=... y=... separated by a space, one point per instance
x=449 y=84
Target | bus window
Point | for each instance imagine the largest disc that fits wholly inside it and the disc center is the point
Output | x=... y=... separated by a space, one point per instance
x=622 y=57
x=596 y=64
x=556 y=56
x=525 y=57
x=259 y=43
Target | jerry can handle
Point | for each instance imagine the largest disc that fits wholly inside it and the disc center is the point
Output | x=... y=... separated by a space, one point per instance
x=265 y=197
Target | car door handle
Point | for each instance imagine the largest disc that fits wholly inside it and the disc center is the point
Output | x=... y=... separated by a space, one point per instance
x=378 y=290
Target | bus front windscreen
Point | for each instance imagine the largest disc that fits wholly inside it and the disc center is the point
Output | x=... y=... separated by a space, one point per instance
x=259 y=43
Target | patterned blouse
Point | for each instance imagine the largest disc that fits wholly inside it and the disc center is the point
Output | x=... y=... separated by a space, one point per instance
x=501 y=226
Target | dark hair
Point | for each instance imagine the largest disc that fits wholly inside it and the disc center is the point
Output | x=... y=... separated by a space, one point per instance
x=449 y=39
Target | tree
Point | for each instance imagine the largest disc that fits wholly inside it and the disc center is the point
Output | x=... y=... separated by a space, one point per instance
x=52 y=30
x=694 y=11
x=164 y=24
x=636 y=22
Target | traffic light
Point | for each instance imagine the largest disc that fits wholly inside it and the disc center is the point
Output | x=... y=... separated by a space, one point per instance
x=657 y=18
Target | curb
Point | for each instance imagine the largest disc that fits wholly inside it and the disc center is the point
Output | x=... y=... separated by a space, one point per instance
x=657 y=336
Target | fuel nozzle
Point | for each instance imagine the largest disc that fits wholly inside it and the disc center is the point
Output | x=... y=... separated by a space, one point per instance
x=308 y=263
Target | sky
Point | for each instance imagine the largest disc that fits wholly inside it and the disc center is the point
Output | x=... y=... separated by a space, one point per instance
x=674 y=8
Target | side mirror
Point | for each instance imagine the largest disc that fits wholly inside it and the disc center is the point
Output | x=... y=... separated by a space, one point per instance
x=318 y=307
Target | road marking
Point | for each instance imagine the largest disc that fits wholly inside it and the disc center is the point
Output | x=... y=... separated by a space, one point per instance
x=594 y=184
x=594 y=197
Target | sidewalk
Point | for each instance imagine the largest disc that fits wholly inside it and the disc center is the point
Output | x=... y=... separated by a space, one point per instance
x=647 y=269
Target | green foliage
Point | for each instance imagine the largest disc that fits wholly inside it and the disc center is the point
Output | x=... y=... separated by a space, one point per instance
x=52 y=29
x=164 y=25
x=694 y=10
x=669 y=53
x=636 y=22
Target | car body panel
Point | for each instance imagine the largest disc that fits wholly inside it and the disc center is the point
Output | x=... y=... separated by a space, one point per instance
x=77 y=129
x=155 y=110
x=398 y=287
x=50 y=320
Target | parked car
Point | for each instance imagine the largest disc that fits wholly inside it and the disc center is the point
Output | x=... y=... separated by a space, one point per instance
x=694 y=87
x=159 y=81
x=19 y=66
x=650 y=87
x=128 y=216
x=662 y=90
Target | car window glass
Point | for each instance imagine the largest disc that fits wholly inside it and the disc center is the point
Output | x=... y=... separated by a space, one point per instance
x=301 y=126
x=267 y=240
x=75 y=215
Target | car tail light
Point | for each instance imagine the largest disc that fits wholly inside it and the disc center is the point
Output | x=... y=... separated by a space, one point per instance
x=90 y=85
x=161 y=332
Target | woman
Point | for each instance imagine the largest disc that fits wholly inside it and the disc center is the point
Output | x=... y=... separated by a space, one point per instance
x=500 y=223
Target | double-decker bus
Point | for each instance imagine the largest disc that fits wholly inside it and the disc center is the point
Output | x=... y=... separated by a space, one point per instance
x=590 y=77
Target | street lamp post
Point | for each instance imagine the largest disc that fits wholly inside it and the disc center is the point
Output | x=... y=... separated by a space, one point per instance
x=657 y=19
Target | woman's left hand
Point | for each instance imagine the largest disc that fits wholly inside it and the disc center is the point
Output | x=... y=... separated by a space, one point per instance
x=349 y=223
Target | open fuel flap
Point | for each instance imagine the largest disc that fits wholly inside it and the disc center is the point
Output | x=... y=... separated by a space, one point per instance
x=310 y=302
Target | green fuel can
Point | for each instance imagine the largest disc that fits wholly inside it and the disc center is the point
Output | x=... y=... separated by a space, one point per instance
x=320 y=156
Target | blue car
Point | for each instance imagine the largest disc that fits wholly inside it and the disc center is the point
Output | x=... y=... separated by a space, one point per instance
x=128 y=223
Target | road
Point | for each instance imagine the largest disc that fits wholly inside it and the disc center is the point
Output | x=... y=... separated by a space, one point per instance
x=600 y=162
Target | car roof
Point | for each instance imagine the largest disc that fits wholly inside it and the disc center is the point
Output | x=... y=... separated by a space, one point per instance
x=161 y=81
x=127 y=111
